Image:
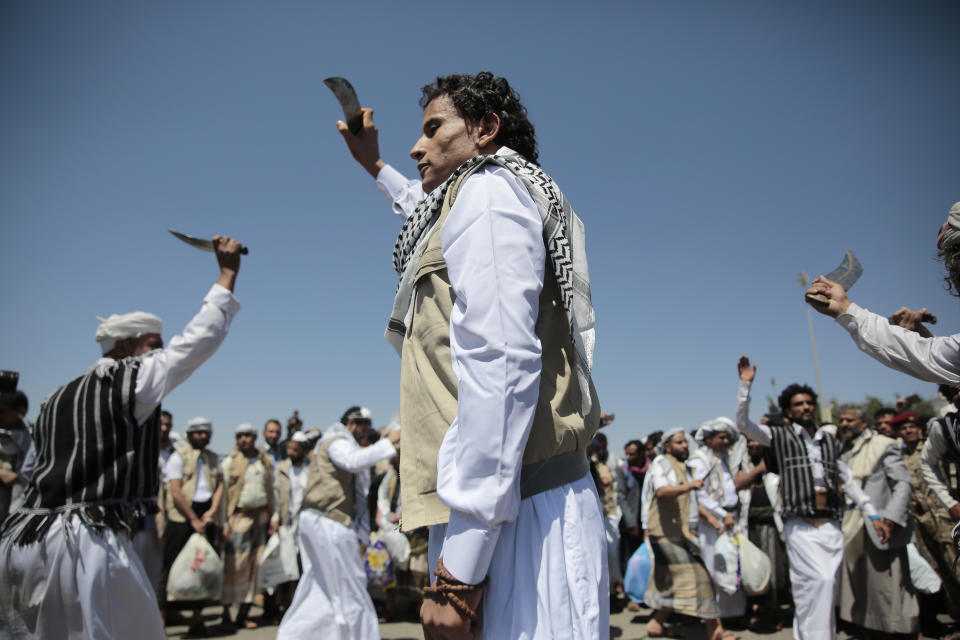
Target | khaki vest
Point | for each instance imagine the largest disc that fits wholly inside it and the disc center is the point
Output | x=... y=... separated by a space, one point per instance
x=238 y=469
x=555 y=451
x=329 y=488
x=670 y=517
x=188 y=485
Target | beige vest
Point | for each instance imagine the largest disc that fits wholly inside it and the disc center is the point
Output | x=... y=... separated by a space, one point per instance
x=238 y=470
x=329 y=488
x=670 y=517
x=555 y=451
x=188 y=485
x=282 y=484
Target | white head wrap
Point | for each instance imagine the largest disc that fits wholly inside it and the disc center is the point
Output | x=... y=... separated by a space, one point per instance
x=715 y=425
x=127 y=325
x=199 y=424
x=245 y=427
x=300 y=437
x=667 y=435
x=951 y=236
x=360 y=414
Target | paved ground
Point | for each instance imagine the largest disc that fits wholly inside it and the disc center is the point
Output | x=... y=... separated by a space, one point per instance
x=625 y=625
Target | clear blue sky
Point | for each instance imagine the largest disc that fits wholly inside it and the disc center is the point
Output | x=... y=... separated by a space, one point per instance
x=713 y=151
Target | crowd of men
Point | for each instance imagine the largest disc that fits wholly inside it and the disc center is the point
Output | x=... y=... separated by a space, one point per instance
x=870 y=504
x=494 y=324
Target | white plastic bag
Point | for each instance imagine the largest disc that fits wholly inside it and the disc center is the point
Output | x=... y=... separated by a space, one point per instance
x=755 y=570
x=197 y=572
x=922 y=575
x=726 y=563
x=278 y=563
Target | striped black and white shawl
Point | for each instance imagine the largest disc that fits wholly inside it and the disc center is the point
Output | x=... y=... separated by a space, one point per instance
x=563 y=236
x=93 y=459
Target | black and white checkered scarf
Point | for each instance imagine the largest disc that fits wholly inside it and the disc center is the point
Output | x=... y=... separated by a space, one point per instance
x=563 y=235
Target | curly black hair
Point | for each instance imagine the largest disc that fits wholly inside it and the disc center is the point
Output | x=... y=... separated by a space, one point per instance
x=951 y=260
x=476 y=96
x=787 y=395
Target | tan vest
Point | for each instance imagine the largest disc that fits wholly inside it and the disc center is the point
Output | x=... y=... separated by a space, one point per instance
x=670 y=517
x=282 y=484
x=188 y=485
x=238 y=470
x=329 y=488
x=555 y=451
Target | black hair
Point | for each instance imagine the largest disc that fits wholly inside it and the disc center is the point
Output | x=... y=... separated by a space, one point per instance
x=951 y=260
x=884 y=411
x=279 y=424
x=475 y=97
x=634 y=443
x=20 y=401
x=353 y=409
x=654 y=438
x=167 y=413
x=602 y=439
x=794 y=389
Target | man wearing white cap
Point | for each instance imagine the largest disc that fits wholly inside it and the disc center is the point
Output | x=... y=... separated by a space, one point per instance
x=248 y=523
x=291 y=475
x=67 y=565
x=194 y=492
x=334 y=527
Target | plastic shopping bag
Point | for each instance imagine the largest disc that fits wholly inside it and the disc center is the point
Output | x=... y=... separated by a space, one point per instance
x=197 y=572
x=378 y=565
x=755 y=570
x=278 y=563
x=922 y=575
x=725 y=565
x=637 y=577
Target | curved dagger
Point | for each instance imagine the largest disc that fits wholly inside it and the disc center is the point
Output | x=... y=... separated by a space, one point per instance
x=347 y=97
x=200 y=243
x=845 y=275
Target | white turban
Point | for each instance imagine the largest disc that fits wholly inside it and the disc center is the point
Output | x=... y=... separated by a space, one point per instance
x=245 y=427
x=199 y=424
x=666 y=436
x=360 y=414
x=951 y=236
x=127 y=325
x=713 y=426
x=300 y=437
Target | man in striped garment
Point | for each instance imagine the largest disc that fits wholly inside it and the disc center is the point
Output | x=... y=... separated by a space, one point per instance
x=68 y=569
x=813 y=479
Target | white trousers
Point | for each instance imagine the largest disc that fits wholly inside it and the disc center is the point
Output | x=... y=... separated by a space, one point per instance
x=815 y=554
x=331 y=601
x=76 y=585
x=548 y=575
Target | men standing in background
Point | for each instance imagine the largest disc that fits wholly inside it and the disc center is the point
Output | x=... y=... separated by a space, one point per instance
x=248 y=474
x=291 y=475
x=15 y=442
x=875 y=588
x=66 y=562
x=194 y=494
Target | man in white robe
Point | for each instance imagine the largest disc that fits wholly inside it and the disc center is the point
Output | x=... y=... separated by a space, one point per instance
x=78 y=581
x=537 y=565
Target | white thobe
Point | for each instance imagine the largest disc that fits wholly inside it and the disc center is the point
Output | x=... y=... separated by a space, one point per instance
x=545 y=555
x=814 y=553
x=331 y=595
x=79 y=584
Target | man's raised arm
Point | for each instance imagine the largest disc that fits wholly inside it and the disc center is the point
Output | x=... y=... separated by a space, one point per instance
x=403 y=194
x=758 y=432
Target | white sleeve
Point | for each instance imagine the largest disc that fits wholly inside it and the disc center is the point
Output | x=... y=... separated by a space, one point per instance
x=173 y=469
x=493 y=247
x=854 y=491
x=699 y=470
x=403 y=194
x=659 y=476
x=934 y=359
x=757 y=432
x=646 y=497
x=351 y=457
x=933 y=450
x=164 y=370
x=383 y=499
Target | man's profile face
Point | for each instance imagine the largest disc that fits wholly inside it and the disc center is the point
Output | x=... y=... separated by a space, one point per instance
x=634 y=455
x=166 y=424
x=801 y=409
x=271 y=433
x=850 y=424
x=677 y=446
x=446 y=142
